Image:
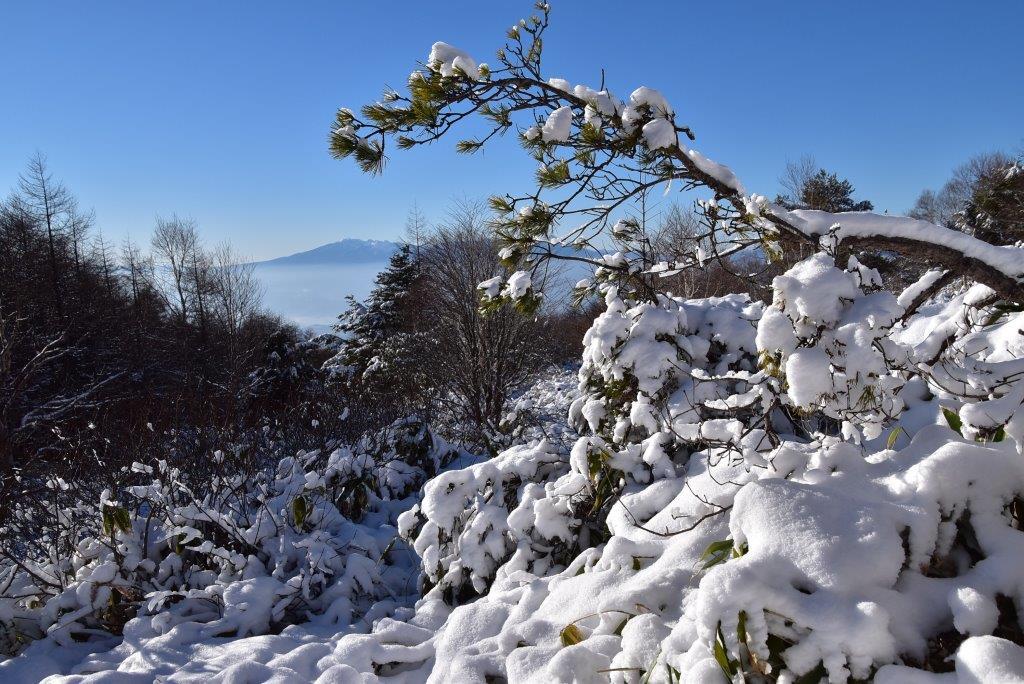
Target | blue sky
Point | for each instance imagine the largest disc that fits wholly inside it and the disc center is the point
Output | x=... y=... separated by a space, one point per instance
x=221 y=110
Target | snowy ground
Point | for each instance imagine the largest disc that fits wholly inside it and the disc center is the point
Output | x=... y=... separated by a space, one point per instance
x=314 y=651
x=829 y=557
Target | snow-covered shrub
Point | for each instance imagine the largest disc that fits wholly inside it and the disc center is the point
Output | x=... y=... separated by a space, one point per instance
x=658 y=382
x=314 y=536
x=473 y=520
x=830 y=558
x=729 y=510
x=825 y=338
x=655 y=372
x=538 y=412
x=973 y=351
x=807 y=555
x=661 y=384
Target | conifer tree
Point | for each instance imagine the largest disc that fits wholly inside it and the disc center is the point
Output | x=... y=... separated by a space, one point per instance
x=824 y=191
x=379 y=335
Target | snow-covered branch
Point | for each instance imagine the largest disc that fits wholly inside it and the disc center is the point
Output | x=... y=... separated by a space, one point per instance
x=598 y=154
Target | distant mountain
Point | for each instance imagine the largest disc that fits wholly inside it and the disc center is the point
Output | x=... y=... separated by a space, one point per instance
x=309 y=288
x=348 y=251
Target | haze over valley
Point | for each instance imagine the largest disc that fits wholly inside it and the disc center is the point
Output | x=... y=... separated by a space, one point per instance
x=309 y=288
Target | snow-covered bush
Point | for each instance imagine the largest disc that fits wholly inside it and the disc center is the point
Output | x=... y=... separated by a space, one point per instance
x=825 y=338
x=314 y=536
x=981 y=364
x=812 y=555
x=473 y=520
x=656 y=384
x=730 y=509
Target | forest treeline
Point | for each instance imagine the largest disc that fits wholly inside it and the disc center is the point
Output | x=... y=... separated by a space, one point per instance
x=111 y=354
x=108 y=349
x=119 y=354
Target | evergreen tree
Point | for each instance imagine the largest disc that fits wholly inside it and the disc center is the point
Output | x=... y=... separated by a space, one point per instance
x=995 y=210
x=826 y=192
x=380 y=338
x=809 y=186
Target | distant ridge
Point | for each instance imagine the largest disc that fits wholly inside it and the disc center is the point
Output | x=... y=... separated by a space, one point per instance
x=348 y=251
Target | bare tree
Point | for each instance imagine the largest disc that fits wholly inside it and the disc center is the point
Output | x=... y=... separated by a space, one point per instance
x=415 y=229
x=479 y=359
x=139 y=277
x=236 y=290
x=175 y=242
x=136 y=265
x=675 y=236
x=944 y=206
x=202 y=287
x=102 y=255
x=797 y=175
x=50 y=202
x=235 y=295
x=78 y=225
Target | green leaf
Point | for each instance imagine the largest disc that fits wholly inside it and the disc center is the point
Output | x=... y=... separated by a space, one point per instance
x=953 y=419
x=499 y=204
x=553 y=175
x=722 y=656
x=468 y=146
x=717 y=552
x=571 y=635
x=650 y=669
x=893 y=436
x=122 y=519
x=1000 y=434
x=300 y=509
x=115 y=518
x=717 y=547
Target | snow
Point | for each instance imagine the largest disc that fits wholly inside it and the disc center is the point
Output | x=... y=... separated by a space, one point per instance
x=602 y=102
x=990 y=659
x=644 y=96
x=720 y=172
x=447 y=59
x=1008 y=260
x=834 y=544
x=775 y=331
x=561 y=84
x=490 y=287
x=914 y=291
x=518 y=284
x=816 y=288
x=973 y=612
x=659 y=133
x=558 y=125
x=810 y=376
